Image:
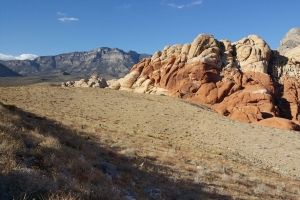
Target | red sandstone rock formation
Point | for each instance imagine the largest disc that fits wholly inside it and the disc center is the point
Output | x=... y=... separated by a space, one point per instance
x=244 y=80
x=280 y=123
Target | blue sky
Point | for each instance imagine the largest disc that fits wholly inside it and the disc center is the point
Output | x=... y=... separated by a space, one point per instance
x=50 y=27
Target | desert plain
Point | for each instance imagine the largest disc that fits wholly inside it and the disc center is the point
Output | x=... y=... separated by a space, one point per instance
x=178 y=149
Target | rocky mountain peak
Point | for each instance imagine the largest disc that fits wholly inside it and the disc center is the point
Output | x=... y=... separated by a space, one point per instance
x=289 y=41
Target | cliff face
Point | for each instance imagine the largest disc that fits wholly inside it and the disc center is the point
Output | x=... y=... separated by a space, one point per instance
x=114 y=62
x=244 y=80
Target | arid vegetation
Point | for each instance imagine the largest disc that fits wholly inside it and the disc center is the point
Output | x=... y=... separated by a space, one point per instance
x=88 y=143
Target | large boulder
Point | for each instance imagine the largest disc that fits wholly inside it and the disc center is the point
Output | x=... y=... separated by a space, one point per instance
x=280 y=123
x=253 y=54
x=114 y=84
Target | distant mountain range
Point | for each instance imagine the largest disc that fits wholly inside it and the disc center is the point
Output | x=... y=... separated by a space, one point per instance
x=103 y=61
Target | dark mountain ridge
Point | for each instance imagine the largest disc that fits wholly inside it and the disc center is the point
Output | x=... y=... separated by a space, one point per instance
x=5 y=72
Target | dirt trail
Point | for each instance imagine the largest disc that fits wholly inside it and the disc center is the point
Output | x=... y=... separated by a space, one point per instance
x=149 y=115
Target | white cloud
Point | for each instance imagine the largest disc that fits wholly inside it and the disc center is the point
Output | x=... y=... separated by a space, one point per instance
x=64 y=19
x=20 y=57
x=175 y=6
x=60 y=13
x=26 y=57
x=194 y=3
x=186 y=5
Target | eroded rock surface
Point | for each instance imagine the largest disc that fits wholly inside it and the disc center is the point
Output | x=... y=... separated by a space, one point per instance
x=286 y=72
x=253 y=54
x=244 y=80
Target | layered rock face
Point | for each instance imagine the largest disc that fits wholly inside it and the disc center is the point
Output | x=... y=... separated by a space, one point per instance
x=244 y=80
x=106 y=61
x=286 y=71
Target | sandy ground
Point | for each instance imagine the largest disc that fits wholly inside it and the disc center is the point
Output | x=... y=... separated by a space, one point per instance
x=185 y=124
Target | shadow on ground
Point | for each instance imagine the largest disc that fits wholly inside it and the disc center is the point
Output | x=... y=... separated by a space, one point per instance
x=42 y=159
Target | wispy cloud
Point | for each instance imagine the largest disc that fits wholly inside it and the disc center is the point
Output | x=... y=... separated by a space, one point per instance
x=126 y=6
x=184 y=5
x=60 y=13
x=175 y=6
x=194 y=3
x=64 y=19
x=20 y=57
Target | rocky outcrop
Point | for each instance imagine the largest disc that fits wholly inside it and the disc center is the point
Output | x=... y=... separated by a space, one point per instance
x=280 y=123
x=253 y=54
x=6 y=72
x=285 y=70
x=105 y=61
x=244 y=80
x=94 y=81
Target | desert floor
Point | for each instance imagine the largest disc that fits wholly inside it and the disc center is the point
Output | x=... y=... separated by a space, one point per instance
x=178 y=133
x=43 y=80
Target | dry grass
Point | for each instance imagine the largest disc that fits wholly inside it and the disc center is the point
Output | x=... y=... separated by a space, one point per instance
x=88 y=152
x=43 y=160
